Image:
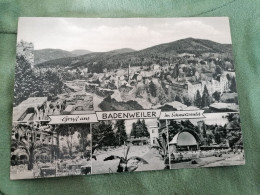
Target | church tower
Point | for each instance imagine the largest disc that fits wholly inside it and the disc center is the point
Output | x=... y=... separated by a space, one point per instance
x=128 y=78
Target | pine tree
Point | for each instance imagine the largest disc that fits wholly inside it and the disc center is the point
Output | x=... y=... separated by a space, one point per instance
x=205 y=100
x=133 y=131
x=197 y=101
x=103 y=129
x=139 y=128
x=145 y=132
x=152 y=89
x=216 y=95
x=120 y=134
x=233 y=87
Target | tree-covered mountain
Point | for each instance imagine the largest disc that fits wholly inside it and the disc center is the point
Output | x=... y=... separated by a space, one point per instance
x=79 y=52
x=43 y=55
x=122 y=57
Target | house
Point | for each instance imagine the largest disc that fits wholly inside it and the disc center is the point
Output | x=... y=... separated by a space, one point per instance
x=138 y=141
x=137 y=77
x=154 y=133
x=156 y=67
x=228 y=97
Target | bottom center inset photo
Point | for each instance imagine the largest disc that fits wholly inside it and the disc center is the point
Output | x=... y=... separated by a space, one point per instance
x=127 y=146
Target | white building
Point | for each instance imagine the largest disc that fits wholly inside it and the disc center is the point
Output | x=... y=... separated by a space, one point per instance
x=154 y=135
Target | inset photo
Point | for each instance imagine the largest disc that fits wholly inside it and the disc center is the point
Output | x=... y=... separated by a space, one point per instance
x=127 y=146
x=40 y=150
x=215 y=140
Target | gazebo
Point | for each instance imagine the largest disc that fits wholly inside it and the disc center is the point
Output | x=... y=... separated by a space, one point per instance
x=185 y=140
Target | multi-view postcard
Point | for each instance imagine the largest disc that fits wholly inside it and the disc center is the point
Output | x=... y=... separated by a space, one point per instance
x=112 y=95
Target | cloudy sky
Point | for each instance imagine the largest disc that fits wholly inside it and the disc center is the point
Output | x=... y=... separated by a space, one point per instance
x=108 y=34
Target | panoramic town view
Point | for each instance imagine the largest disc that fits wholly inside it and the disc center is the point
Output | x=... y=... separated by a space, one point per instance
x=166 y=74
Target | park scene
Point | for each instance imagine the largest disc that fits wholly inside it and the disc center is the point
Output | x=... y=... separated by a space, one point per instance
x=214 y=141
x=40 y=150
x=125 y=146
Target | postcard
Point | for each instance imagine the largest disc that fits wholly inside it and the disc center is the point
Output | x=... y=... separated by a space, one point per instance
x=112 y=95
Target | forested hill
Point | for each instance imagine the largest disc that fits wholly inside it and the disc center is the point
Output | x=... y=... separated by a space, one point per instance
x=44 y=55
x=122 y=57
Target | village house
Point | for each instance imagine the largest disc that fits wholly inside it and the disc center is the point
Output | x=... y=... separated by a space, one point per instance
x=212 y=85
x=154 y=134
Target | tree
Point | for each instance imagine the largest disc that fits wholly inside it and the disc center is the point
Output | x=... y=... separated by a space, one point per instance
x=133 y=131
x=164 y=152
x=197 y=101
x=84 y=140
x=145 y=130
x=205 y=100
x=31 y=149
x=31 y=82
x=178 y=98
x=218 y=71
x=233 y=87
x=24 y=80
x=186 y=101
x=216 y=95
x=120 y=135
x=204 y=132
x=103 y=131
x=174 y=128
x=152 y=89
x=139 y=129
x=217 y=138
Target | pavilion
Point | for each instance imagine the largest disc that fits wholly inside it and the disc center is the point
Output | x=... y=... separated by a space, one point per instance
x=185 y=140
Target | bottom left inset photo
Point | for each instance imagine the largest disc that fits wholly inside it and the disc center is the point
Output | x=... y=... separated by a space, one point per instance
x=40 y=150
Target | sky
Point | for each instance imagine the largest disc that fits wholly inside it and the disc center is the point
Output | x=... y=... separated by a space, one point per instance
x=106 y=34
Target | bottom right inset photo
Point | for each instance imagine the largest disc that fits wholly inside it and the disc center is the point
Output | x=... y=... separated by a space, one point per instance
x=215 y=140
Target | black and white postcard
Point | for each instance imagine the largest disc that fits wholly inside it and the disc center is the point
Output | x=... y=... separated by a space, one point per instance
x=111 y=95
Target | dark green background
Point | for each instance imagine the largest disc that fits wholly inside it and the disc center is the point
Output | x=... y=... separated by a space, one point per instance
x=245 y=29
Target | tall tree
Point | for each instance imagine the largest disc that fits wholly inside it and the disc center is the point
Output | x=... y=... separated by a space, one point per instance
x=103 y=131
x=120 y=134
x=205 y=100
x=24 y=80
x=233 y=87
x=145 y=130
x=133 y=130
x=139 y=129
x=216 y=95
x=197 y=101
x=152 y=89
